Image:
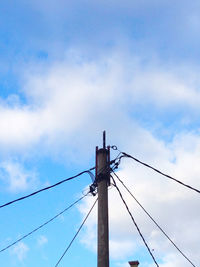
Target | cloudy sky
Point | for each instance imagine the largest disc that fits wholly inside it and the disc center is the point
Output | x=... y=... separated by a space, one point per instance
x=68 y=71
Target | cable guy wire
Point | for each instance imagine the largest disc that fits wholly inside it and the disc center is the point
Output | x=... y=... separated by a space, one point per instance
x=154 y=220
x=42 y=225
x=46 y=188
x=135 y=223
x=156 y=170
x=76 y=233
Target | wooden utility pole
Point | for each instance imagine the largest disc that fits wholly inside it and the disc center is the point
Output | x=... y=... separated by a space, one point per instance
x=103 y=181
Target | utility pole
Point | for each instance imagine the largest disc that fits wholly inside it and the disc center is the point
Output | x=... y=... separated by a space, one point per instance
x=103 y=181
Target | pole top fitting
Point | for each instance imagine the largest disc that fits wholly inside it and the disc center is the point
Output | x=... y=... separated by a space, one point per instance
x=104 y=139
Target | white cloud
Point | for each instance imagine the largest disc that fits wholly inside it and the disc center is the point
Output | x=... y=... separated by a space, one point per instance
x=70 y=96
x=16 y=177
x=125 y=248
x=90 y=225
x=164 y=88
x=42 y=240
x=20 y=250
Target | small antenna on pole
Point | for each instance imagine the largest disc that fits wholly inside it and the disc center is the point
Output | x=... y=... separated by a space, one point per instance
x=104 y=139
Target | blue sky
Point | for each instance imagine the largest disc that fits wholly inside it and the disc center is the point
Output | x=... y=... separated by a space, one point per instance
x=68 y=71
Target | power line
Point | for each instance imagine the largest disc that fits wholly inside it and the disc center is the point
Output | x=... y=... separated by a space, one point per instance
x=76 y=233
x=154 y=220
x=54 y=185
x=46 y=188
x=135 y=223
x=160 y=172
x=42 y=225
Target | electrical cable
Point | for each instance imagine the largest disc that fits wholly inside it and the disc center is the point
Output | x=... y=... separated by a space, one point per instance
x=76 y=233
x=108 y=167
x=46 y=188
x=143 y=239
x=94 y=183
x=160 y=172
x=42 y=225
x=154 y=220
